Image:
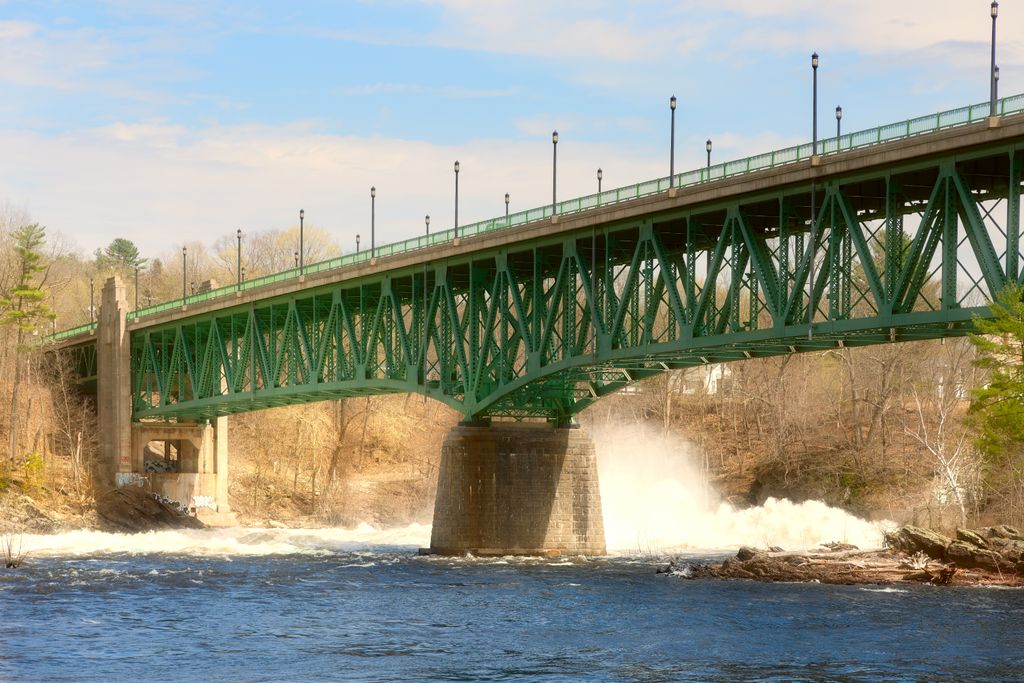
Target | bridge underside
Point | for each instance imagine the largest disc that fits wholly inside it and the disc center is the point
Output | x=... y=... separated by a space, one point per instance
x=546 y=327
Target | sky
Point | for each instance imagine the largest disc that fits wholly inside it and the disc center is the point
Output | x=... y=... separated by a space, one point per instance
x=173 y=121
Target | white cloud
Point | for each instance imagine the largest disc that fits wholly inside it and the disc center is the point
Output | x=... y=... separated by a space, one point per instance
x=882 y=26
x=450 y=91
x=160 y=184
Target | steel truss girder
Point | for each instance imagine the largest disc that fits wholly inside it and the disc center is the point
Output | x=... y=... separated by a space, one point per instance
x=546 y=327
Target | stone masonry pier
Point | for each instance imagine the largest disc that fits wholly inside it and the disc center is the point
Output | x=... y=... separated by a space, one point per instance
x=518 y=489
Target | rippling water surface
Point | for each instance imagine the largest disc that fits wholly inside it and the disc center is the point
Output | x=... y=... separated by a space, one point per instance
x=330 y=605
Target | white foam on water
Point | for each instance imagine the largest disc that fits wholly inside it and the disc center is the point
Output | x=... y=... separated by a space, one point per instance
x=655 y=500
x=237 y=541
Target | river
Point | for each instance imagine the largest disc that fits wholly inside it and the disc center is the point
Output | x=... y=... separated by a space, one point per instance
x=295 y=605
x=362 y=605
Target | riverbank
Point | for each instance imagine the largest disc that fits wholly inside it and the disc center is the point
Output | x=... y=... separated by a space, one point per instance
x=990 y=556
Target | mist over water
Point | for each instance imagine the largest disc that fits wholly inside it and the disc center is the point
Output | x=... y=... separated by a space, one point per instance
x=654 y=496
x=230 y=542
x=656 y=500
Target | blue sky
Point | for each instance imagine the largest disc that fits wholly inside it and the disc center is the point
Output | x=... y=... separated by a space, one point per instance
x=172 y=121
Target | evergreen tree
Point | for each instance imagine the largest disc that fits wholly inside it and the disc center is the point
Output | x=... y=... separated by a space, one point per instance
x=998 y=406
x=24 y=308
x=121 y=255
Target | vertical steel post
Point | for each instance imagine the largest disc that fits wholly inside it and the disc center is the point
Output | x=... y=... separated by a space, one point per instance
x=456 y=199
x=1013 y=218
x=812 y=248
x=554 y=172
x=92 y=301
x=136 y=286
x=184 y=278
x=992 y=66
x=302 y=245
x=672 y=145
x=373 y=220
x=238 y=264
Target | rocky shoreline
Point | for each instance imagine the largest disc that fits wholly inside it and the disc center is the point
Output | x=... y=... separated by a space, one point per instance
x=991 y=556
x=123 y=510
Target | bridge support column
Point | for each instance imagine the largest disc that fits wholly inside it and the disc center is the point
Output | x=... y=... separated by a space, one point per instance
x=518 y=489
x=113 y=382
x=186 y=462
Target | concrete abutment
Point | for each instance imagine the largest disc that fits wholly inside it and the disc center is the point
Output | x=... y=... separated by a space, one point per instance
x=518 y=489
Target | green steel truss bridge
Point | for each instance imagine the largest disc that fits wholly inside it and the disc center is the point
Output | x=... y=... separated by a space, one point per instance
x=915 y=226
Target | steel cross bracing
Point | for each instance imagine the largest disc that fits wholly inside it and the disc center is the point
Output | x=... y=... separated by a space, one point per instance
x=544 y=328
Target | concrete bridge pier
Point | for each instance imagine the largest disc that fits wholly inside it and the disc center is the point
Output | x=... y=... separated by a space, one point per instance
x=517 y=489
x=113 y=381
x=188 y=461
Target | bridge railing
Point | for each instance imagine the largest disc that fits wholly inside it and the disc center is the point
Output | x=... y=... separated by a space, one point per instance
x=728 y=169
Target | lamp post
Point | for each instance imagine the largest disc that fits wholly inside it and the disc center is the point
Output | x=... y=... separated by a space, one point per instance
x=839 y=119
x=600 y=176
x=136 y=286
x=357 y=242
x=92 y=300
x=426 y=219
x=184 y=268
x=672 y=144
x=707 y=148
x=506 y=207
x=812 y=247
x=456 y=198
x=554 y=171
x=238 y=256
x=373 y=220
x=992 y=69
x=302 y=244
x=814 y=107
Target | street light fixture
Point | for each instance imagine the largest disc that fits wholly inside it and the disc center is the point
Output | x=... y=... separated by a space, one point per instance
x=839 y=119
x=672 y=144
x=296 y=255
x=373 y=220
x=600 y=176
x=996 y=77
x=357 y=242
x=707 y=148
x=506 y=207
x=992 y=70
x=426 y=219
x=814 y=124
x=184 y=268
x=238 y=267
x=456 y=232
x=554 y=171
x=812 y=247
x=302 y=245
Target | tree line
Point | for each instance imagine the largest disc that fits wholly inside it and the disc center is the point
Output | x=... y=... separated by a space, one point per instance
x=932 y=431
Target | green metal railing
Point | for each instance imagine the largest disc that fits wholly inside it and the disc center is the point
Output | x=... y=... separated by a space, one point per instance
x=760 y=162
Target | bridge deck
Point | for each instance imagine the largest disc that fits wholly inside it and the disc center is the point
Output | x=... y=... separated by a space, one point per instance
x=967 y=128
